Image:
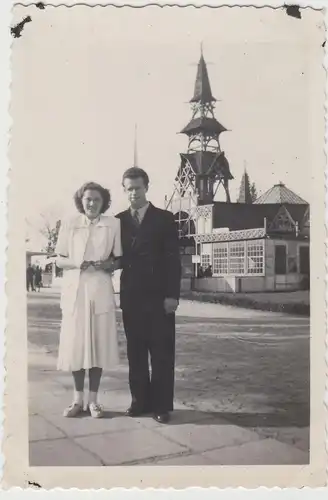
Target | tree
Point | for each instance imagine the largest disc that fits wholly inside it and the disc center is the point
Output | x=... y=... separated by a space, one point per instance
x=253 y=192
x=51 y=233
x=45 y=225
x=52 y=236
x=247 y=190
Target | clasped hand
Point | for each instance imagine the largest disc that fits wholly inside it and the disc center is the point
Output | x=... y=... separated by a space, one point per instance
x=170 y=305
x=98 y=265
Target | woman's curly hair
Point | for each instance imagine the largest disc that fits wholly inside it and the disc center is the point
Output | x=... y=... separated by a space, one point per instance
x=105 y=194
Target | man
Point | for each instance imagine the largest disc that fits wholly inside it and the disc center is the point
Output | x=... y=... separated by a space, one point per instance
x=30 y=278
x=149 y=296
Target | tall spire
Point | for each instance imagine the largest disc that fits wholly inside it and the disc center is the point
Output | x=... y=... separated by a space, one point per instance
x=204 y=167
x=135 y=153
x=245 y=195
x=202 y=92
x=204 y=129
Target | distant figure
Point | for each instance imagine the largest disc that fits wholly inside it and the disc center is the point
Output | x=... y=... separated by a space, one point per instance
x=208 y=272
x=30 y=278
x=200 y=271
x=58 y=271
x=38 y=278
x=34 y=270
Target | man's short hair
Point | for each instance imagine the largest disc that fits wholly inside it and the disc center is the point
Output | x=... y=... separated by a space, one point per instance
x=136 y=173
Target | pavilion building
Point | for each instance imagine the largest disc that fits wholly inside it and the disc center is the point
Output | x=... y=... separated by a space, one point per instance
x=255 y=247
x=260 y=246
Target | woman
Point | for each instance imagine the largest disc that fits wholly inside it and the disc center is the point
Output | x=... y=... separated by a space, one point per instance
x=88 y=337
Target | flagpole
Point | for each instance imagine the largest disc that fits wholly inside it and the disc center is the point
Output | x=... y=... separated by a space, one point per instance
x=135 y=158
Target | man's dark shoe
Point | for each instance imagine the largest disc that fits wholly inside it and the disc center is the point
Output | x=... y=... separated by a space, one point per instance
x=133 y=412
x=161 y=418
x=136 y=412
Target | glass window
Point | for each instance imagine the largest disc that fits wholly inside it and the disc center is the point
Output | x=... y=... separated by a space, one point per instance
x=255 y=257
x=237 y=257
x=234 y=257
x=205 y=260
x=206 y=255
x=220 y=258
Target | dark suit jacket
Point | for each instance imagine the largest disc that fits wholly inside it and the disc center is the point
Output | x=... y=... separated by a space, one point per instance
x=151 y=267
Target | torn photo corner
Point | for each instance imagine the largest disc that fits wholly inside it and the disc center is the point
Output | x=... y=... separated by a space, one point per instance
x=225 y=365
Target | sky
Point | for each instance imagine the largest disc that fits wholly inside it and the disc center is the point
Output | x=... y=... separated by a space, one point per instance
x=82 y=78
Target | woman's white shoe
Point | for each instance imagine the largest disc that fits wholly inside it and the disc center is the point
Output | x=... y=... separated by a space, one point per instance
x=73 y=410
x=96 y=410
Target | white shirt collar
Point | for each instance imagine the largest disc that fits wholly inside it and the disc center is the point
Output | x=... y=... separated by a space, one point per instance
x=91 y=222
x=83 y=221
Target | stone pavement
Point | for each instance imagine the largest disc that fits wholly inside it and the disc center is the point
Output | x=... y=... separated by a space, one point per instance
x=207 y=428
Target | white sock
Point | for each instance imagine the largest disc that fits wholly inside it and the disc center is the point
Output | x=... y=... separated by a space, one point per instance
x=93 y=397
x=78 y=397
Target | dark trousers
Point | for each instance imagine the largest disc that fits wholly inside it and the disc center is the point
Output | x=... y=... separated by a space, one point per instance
x=29 y=283
x=150 y=334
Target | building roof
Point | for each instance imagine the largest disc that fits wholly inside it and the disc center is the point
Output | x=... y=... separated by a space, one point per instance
x=203 y=124
x=238 y=216
x=279 y=193
x=207 y=163
x=202 y=92
x=245 y=234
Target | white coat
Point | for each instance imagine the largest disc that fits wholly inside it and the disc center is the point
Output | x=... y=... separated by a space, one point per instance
x=88 y=332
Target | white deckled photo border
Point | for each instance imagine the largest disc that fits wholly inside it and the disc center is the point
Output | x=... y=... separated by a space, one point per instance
x=15 y=446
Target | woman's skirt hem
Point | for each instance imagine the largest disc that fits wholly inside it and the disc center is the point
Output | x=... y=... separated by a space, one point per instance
x=68 y=368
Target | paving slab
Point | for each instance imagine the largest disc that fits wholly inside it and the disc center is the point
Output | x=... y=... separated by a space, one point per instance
x=40 y=429
x=36 y=387
x=261 y=452
x=118 y=400
x=294 y=436
x=45 y=405
x=182 y=415
x=198 y=437
x=110 y=383
x=60 y=453
x=87 y=426
x=130 y=446
x=184 y=460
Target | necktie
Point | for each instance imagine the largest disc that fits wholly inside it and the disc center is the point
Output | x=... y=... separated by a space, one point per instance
x=136 y=217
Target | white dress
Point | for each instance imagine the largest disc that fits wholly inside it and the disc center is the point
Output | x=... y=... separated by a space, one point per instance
x=88 y=335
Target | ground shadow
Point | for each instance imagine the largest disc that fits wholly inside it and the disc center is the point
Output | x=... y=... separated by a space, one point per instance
x=287 y=418
x=196 y=417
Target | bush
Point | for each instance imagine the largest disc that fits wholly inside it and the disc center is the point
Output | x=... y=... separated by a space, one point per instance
x=298 y=308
